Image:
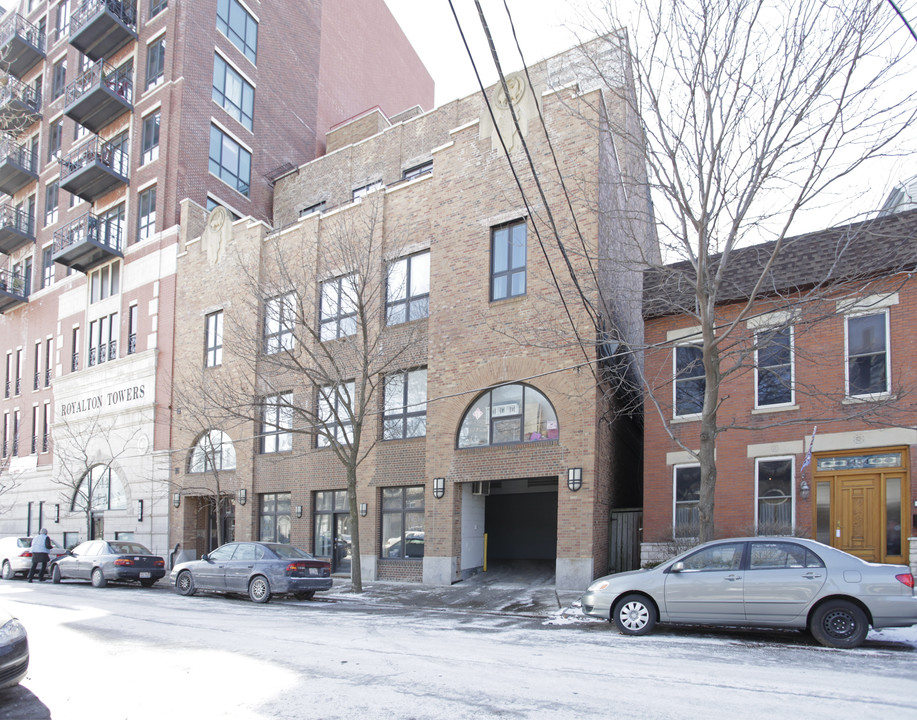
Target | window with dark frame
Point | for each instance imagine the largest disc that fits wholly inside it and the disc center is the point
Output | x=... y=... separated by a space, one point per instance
x=508 y=261
x=508 y=414
x=46 y=427
x=58 y=79
x=687 y=500
x=103 y=339
x=36 y=377
x=405 y=405
x=403 y=522
x=155 y=62
x=132 y=329
x=867 y=355
x=279 y=319
x=147 y=214
x=62 y=20
x=316 y=208
x=690 y=381
x=49 y=349
x=338 y=312
x=232 y=92
x=234 y=21
x=75 y=350
x=774 y=505
x=157 y=6
x=365 y=190
x=213 y=344
x=229 y=161
x=276 y=423
x=334 y=414
x=274 y=518
x=418 y=170
x=33 y=447
x=51 y=197
x=47 y=266
x=774 y=367
x=408 y=289
x=55 y=132
x=149 y=143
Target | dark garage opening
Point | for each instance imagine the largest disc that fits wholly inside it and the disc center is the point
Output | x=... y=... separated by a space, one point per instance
x=521 y=521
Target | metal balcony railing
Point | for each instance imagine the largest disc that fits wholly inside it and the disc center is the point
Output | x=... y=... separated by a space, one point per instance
x=118 y=80
x=21 y=155
x=20 y=104
x=16 y=218
x=96 y=150
x=88 y=228
x=13 y=283
x=123 y=10
x=22 y=44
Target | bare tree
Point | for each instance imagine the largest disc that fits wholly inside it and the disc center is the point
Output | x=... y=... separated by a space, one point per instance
x=9 y=480
x=338 y=365
x=753 y=112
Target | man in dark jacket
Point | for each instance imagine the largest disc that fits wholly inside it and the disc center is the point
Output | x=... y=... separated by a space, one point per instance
x=41 y=544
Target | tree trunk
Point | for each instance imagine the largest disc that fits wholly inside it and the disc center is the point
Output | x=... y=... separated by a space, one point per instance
x=356 y=571
x=707 y=449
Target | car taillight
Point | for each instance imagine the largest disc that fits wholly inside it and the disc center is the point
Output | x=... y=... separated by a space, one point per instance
x=27 y=553
x=906 y=578
x=295 y=566
x=159 y=563
x=123 y=561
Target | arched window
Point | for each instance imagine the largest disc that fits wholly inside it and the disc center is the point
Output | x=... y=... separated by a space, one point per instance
x=508 y=414
x=100 y=489
x=213 y=451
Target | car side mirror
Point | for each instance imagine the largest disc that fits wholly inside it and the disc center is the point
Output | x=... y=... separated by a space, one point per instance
x=205 y=557
x=677 y=567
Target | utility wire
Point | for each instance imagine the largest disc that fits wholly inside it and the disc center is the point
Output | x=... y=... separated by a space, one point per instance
x=903 y=19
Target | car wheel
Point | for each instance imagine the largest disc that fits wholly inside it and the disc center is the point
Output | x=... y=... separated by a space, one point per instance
x=7 y=570
x=839 y=624
x=305 y=595
x=259 y=589
x=148 y=582
x=634 y=615
x=185 y=583
x=55 y=574
x=98 y=579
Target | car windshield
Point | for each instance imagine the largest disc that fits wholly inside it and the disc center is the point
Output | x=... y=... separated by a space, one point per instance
x=288 y=551
x=128 y=548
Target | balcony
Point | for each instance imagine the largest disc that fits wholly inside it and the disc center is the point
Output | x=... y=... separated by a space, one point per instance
x=20 y=105
x=99 y=96
x=22 y=46
x=99 y=28
x=18 y=166
x=86 y=242
x=93 y=170
x=16 y=229
x=13 y=290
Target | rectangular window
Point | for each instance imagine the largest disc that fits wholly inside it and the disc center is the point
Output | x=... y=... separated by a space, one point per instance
x=18 y=387
x=36 y=377
x=335 y=408
x=690 y=382
x=157 y=6
x=111 y=226
x=338 y=313
x=774 y=496
x=23 y=271
x=104 y=282
x=6 y=434
x=155 y=62
x=418 y=170
x=132 y=319
x=232 y=92
x=687 y=497
x=79 y=132
x=229 y=161
x=405 y=413
x=774 y=367
x=51 y=196
x=75 y=350
x=316 y=208
x=7 y=388
x=408 y=289
x=59 y=79
x=213 y=343
x=49 y=349
x=62 y=20
x=149 y=143
x=867 y=355
x=366 y=189
x=55 y=133
x=46 y=428
x=33 y=446
x=276 y=423
x=147 y=214
x=103 y=339
x=16 y=424
x=47 y=267
x=235 y=23
x=275 y=518
x=279 y=317
x=508 y=261
x=402 y=522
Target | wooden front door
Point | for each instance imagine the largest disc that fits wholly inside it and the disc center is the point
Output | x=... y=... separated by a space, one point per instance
x=858 y=517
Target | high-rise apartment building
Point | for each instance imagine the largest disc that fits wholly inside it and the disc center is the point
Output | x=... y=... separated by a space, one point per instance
x=112 y=113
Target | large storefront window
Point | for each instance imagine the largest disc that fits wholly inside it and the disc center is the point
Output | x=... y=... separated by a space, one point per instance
x=402 y=522
x=99 y=490
x=332 y=529
x=275 y=517
x=508 y=414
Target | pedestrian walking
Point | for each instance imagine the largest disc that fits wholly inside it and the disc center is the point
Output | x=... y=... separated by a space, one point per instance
x=41 y=544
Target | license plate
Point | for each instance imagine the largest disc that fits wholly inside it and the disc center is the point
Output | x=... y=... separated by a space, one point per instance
x=313 y=571
x=144 y=575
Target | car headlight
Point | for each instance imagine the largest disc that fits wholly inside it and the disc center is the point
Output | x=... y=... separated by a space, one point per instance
x=12 y=631
x=598 y=586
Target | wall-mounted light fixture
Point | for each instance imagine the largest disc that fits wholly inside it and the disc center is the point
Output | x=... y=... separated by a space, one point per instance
x=243 y=496
x=57 y=513
x=363 y=509
x=574 y=478
x=299 y=511
x=439 y=487
x=803 y=489
x=176 y=499
x=140 y=511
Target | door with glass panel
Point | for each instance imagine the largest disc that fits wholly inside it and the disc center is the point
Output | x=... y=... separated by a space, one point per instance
x=332 y=529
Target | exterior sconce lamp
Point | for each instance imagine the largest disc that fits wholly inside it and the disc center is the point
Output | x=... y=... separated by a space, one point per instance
x=57 y=513
x=140 y=511
x=363 y=509
x=803 y=489
x=243 y=496
x=176 y=499
x=439 y=487
x=299 y=511
x=574 y=478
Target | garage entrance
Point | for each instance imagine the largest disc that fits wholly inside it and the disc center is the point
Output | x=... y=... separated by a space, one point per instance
x=519 y=518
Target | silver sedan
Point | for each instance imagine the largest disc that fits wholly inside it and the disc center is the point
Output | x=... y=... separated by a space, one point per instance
x=784 y=582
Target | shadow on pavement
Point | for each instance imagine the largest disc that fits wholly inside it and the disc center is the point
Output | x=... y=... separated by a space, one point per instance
x=19 y=703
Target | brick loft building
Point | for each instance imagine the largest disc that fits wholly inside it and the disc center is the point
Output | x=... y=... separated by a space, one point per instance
x=490 y=422
x=112 y=113
x=818 y=395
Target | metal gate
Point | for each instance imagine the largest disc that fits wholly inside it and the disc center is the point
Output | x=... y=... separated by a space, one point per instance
x=625 y=531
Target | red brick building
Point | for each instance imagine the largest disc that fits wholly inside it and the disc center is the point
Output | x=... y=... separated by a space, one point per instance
x=818 y=399
x=114 y=112
x=491 y=437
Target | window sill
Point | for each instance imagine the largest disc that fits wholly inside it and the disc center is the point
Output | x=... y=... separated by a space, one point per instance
x=878 y=397
x=686 y=418
x=773 y=409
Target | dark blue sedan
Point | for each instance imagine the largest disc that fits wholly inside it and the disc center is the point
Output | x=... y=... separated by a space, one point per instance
x=256 y=568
